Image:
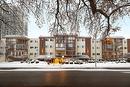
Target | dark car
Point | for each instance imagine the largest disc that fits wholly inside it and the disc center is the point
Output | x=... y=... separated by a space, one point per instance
x=128 y=60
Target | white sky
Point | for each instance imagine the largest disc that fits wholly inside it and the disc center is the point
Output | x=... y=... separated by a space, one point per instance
x=35 y=32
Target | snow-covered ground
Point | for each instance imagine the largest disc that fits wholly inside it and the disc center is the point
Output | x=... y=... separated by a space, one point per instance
x=44 y=65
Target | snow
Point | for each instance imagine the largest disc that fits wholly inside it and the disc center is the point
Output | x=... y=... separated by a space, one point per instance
x=44 y=65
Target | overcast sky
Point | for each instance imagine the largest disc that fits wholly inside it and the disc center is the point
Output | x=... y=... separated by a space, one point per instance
x=35 y=32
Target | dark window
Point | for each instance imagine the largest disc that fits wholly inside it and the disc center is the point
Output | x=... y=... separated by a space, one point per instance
x=31 y=53
x=78 y=53
x=83 y=53
x=46 y=46
x=51 y=53
x=98 y=53
x=51 y=39
x=31 y=47
x=46 y=39
x=98 y=47
x=125 y=47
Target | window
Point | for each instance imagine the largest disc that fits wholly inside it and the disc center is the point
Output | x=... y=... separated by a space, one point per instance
x=77 y=46
x=35 y=41
x=51 y=39
x=57 y=45
x=125 y=47
x=109 y=46
x=83 y=53
x=50 y=46
x=31 y=41
x=46 y=46
x=51 y=53
x=78 y=53
x=98 y=53
x=31 y=53
x=31 y=47
x=46 y=39
x=98 y=47
x=82 y=39
x=82 y=46
x=70 y=45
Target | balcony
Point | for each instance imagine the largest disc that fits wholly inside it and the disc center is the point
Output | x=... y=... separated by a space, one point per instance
x=59 y=48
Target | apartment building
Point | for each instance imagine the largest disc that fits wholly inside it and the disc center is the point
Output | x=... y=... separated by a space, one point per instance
x=33 y=47
x=64 y=46
x=47 y=46
x=128 y=45
x=16 y=47
x=83 y=46
x=2 y=49
x=114 y=47
x=96 y=49
x=73 y=45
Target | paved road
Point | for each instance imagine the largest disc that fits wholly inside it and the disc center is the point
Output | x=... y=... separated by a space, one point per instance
x=64 y=78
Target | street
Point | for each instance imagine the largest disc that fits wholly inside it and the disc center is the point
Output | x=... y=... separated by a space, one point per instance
x=67 y=78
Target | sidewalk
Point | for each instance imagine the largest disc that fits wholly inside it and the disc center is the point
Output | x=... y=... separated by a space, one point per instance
x=43 y=65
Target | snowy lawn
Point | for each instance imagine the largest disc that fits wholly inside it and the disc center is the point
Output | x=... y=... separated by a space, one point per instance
x=45 y=65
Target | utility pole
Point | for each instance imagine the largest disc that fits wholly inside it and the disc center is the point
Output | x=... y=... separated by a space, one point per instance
x=95 y=46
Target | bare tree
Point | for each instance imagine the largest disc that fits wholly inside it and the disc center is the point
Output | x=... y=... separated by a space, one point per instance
x=66 y=16
x=11 y=19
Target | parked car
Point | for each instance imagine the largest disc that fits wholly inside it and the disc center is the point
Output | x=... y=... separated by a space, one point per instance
x=30 y=61
x=71 y=62
x=36 y=61
x=26 y=61
x=91 y=61
x=78 y=62
x=66 y=62
x=121 y=61
x=128 y=60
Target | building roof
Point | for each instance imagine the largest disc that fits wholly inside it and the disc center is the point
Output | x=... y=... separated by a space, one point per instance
x=16 y=36
x=117 y=37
